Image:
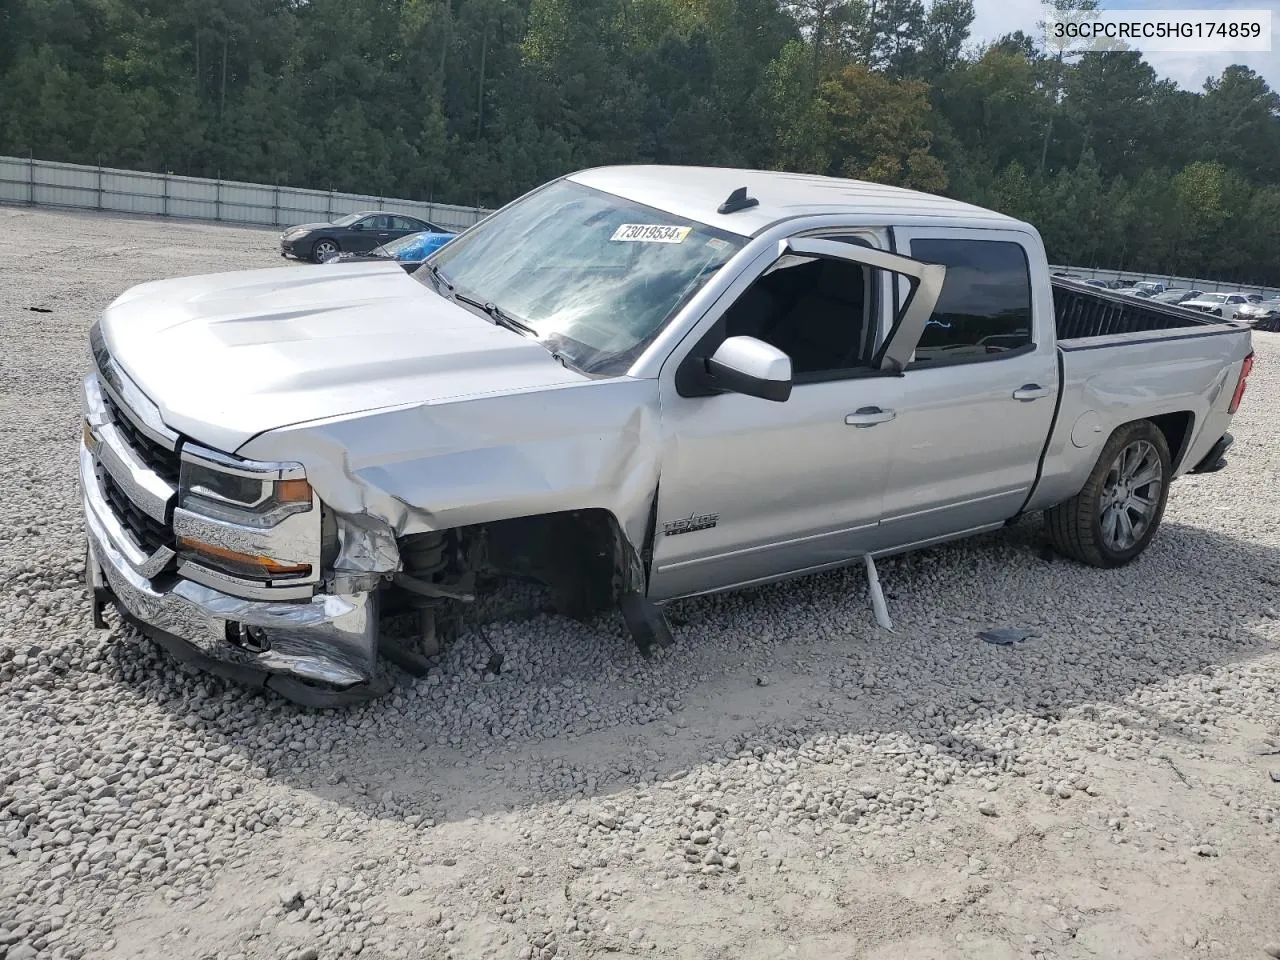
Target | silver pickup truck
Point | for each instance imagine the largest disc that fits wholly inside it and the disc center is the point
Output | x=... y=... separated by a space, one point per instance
x=630 y=385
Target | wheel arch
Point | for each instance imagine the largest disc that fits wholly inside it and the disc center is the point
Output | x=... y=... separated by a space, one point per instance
x=1074 y=526
x=1178 y=431
x=583 y=555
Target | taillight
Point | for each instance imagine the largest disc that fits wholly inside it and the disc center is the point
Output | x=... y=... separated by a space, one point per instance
x=1245 y=369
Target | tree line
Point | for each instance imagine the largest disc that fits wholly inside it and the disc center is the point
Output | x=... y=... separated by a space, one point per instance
x=476 y=101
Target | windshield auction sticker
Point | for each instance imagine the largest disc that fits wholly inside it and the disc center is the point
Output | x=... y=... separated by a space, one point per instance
x=650 y=233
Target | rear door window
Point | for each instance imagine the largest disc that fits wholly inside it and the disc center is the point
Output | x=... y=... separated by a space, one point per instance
x=984 y=311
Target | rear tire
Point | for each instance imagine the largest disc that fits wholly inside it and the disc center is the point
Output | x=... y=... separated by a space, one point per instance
x=1113 y=518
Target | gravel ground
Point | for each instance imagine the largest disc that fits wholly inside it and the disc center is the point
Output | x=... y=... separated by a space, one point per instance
x=787 y=781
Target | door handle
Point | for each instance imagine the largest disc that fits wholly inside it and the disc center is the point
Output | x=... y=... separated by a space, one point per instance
x=869 y=417
x=1030 y=391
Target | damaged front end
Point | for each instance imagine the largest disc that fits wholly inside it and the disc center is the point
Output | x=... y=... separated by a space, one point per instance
x=220 y=559
x=236 y=564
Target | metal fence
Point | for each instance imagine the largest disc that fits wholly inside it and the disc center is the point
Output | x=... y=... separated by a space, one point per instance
x=1186 y=283
x=24 y=180
x=45 y=183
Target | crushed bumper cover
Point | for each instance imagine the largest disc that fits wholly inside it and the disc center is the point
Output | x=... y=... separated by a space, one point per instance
x=319 y=652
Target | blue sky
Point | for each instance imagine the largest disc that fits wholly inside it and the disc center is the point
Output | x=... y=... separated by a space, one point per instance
x=997 y=17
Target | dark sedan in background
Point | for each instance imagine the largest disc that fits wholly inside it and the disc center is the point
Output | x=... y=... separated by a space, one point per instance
x=354 y=233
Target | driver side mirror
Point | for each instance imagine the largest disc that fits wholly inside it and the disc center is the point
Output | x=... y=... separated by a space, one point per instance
x=358 y=225
x=753 y=367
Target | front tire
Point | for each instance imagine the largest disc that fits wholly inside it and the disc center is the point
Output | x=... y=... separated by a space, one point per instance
x=323 y=249
x=1113 y=518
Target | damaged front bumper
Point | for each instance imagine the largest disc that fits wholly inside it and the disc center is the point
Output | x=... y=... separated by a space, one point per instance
x=318 y=652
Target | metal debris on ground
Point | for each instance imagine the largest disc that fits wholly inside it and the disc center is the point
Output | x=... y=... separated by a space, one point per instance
x=878 y=606
x=1007 y=636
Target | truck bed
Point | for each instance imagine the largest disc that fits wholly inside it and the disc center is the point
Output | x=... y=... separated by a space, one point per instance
x=1082 y=311
x=1124 y=358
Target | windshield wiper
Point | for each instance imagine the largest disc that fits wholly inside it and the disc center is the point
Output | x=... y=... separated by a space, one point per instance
x=442 y=282
x=498 y=315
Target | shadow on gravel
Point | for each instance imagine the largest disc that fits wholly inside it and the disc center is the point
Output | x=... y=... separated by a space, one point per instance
x=579 y=714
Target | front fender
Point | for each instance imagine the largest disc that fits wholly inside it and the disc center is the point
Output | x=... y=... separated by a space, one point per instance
x=442 y=465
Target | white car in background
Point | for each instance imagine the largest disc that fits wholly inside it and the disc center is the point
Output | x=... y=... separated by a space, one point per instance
x=1255 y=313
x=1222 y=305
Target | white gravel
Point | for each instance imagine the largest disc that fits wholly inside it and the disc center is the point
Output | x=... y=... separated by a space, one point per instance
x=788 y=781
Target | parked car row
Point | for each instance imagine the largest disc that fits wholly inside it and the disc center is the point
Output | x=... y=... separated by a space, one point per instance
x=1250 y=308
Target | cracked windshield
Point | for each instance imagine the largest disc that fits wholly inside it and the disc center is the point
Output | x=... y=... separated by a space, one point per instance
x=596 y=277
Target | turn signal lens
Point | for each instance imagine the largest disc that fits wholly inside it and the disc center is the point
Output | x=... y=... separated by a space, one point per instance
x=87 y=436
x=242 y=564
x=293 y=491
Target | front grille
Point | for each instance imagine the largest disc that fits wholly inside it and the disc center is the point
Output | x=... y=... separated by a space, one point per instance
x=146 y=532
x=164 y=462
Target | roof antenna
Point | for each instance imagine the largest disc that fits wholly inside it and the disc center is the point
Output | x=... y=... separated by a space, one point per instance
x=738 y=200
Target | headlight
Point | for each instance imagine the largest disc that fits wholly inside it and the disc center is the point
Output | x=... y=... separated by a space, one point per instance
x=254 y=495
x=296 y=234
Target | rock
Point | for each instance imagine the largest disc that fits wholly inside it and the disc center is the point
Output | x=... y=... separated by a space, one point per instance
x=290 y=897
x=1272 y=950
x=988 y=809
x=308 y=953
x=23 y=951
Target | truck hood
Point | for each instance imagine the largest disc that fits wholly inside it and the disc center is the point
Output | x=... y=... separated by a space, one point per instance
x=228 y=356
